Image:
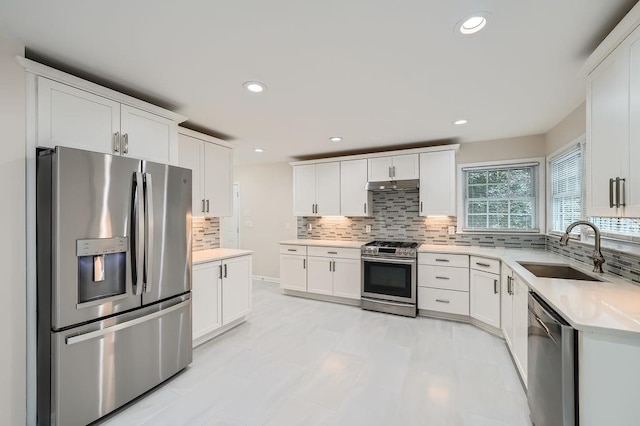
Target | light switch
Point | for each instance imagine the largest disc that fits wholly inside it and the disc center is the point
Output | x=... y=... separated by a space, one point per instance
x=248 y=224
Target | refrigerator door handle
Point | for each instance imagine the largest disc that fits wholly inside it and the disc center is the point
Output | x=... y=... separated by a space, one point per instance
x=99 y=333
x=137 y=234
x=148 y=232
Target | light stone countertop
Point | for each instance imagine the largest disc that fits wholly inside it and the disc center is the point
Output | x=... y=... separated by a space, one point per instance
x=611 y=307
x=204 y=256
x=325 y=243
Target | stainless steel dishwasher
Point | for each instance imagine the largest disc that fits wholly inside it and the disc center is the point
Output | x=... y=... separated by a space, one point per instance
x=552 y=368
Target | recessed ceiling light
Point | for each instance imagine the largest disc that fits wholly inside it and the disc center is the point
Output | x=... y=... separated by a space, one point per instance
x=460 y=122
x=259 y=150
x=335 y=139
x=255 y=86
x=473 y=23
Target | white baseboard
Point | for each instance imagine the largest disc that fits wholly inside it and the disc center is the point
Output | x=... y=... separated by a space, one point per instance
x=267 y=279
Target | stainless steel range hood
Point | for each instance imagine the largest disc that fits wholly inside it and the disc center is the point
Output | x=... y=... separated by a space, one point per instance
x=393 y=185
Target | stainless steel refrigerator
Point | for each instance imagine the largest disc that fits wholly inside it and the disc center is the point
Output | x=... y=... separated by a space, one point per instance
x=114 y=281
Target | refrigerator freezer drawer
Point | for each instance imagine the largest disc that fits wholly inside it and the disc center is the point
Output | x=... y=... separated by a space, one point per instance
x=97 y=368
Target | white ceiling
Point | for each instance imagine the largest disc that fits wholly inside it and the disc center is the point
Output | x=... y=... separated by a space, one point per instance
x=375 y=72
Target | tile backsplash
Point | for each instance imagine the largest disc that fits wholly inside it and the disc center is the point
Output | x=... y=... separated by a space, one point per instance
x=395 y=217
x=616 y=262
x=206 y=233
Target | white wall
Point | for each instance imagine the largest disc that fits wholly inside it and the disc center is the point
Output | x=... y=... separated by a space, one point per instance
x=571 y=127
x=266 y=204
x=12 y=240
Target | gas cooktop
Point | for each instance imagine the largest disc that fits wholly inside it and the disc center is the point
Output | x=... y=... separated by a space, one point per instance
x=394 y=244
x=390 y=249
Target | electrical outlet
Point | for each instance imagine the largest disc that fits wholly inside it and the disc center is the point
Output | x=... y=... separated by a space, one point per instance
x=309 y=227
x=367 y=229
x=452 y=230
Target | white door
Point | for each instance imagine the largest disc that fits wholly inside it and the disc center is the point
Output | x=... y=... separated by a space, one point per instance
x=406 y=167
x=206 y=299
x=438 y=183
x=506 y=306
x=231 y=224
x=633 y=171
x=77 y=119
x=236 y=288
x=347 y=278
x=190 y=156
x=354 y=198
x=146 y=136
x=485 y=297
x=520 y=325
x=607 y=131
x=304 y=190
x=293 y=272
x=328 y=189
x=379 y=169
x=218 y=175
x=320 y=275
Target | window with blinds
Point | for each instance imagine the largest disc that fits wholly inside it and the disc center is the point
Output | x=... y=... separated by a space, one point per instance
x=501 y=198
x=566 y=189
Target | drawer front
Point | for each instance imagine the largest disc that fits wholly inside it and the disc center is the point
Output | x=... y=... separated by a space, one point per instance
x=293 y=249
x=344 y=253
x=441 y=259
x=483 y=264
x=448 y=301
x=443 y=277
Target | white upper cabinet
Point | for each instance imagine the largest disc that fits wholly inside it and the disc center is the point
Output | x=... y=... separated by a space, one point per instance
x=613 y=132
x=147 y=136
x=328 y=189
x=316 y=189
x=74 y=118
x=396 y=167
x=77 y=118
x=211 y=166
x=438 y=183
x=355 y=200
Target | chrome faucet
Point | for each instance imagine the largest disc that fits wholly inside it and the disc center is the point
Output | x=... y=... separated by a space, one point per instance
x=597 y=257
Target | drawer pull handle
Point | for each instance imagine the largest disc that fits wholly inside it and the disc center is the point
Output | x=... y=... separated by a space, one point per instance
x=486 y=265
x=332 y=252
x=442 y=301
x=442 y=260
x=292 y=249
x=442 y=278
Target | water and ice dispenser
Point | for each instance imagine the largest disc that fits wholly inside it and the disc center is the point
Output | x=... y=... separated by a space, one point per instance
x=102 y=268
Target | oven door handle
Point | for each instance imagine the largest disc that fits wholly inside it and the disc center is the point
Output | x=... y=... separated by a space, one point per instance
x=387 y=260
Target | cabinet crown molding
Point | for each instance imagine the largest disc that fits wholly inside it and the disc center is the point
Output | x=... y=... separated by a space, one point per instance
x=203 y=137
x=452 y=147
x=621 y=31
x=71 y=80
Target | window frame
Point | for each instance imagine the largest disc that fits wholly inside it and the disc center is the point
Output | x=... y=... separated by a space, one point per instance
x=580 y=142
x=540 y=195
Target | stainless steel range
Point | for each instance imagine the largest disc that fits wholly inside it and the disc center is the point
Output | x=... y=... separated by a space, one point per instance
x=389 y=277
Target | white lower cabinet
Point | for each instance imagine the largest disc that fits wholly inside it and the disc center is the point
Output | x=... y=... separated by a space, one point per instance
x=485 y=297
x=515 y=318
x=447 y=301
x=221 y=294
x=443 y=283
x=325 y=271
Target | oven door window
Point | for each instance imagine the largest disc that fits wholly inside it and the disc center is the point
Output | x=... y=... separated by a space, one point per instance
x=390 y=279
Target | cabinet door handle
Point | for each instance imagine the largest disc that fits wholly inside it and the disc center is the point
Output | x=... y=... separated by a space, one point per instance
x=207 y=206
x=421 y=206
x=116 y=142
x=495 y=286
x=390 y=171
x=225 y=270
x=203 y=205
x=394 y=171
x=220 y=271
x=442 y=278
x=484 y=265
x=334 y=266
x=365 y=208
x=617 y=192
x=509 y=290
x=304 y=263
x=330 y=270
x=442 y=260
x=125 y=148
x=611 y=203
x=624 y=197
x=442 y=301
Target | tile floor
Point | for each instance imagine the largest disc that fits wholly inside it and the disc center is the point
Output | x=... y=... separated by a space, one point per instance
x=305 y=362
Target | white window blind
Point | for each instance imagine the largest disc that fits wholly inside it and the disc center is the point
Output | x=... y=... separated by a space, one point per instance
x=501 y=198
x=566 y=189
